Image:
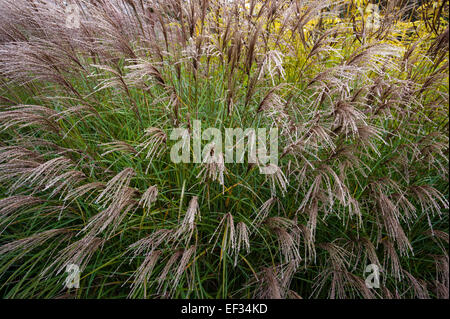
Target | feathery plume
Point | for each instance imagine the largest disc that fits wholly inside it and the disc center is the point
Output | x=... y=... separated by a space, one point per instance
x=116 y=187
x=10 y=205
x=229 y=239
x=78 y=253
x=149 y=197
x=187 y=226
x=29 y=243
x=44 y=173
x=143 y=273
x=213 y=165
x=149 y=244
x=276 y=177
x=263 y=212
x=155 y=138
x=118 y=146
x=112 y=215
x=243 y=241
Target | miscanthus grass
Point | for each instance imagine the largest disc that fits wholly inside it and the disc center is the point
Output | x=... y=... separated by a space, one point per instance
x=90 y=96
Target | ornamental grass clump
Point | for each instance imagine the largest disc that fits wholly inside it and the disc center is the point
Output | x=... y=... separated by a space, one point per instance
x=92 y=91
